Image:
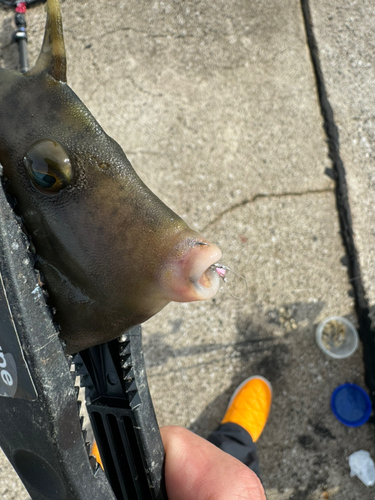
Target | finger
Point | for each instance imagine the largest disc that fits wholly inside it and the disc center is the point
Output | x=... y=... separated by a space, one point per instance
x=197 y=470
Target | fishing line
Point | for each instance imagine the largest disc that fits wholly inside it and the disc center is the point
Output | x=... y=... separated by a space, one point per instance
x=222 y=272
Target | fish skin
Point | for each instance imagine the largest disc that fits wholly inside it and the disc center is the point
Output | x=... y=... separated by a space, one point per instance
x=103 y=241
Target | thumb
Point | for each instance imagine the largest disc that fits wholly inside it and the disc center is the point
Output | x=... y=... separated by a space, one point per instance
x=197 y=470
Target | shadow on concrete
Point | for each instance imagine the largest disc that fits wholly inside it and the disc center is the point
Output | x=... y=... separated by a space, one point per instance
x=262 y=345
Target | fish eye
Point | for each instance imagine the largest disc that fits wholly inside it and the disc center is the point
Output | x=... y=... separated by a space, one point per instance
x=48 y=166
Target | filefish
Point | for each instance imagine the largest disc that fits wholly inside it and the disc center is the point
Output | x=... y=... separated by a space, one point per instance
x=111 y=253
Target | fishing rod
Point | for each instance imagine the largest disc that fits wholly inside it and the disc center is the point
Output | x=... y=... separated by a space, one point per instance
x=20 y=34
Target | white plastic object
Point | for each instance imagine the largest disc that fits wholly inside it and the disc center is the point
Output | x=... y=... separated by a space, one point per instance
x=362 y=465
x=343 y=349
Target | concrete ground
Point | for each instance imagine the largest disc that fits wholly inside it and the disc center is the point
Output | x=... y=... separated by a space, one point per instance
x=216 y=106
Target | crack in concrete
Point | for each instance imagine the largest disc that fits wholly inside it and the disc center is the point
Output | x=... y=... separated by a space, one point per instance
x=101 y=84
x=258 y=196
x=139 y=87
x=128 y=28
x=366 y=329
x=143 y=32
x=143 y=152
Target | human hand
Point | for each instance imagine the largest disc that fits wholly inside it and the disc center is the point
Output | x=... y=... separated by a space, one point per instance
x=197 y=470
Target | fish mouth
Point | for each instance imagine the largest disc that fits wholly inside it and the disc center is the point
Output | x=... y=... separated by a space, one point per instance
x=192 y=276
x=203 y=276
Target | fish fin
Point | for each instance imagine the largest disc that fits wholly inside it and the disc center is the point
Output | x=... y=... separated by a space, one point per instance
x=52 y=59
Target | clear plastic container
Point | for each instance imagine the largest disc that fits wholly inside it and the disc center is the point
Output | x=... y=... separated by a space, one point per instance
x=337 y=337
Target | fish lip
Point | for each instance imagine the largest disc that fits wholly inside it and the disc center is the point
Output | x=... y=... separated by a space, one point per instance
x=204 y=278
x=201 y=267
x=189 y=273
x=203 y=291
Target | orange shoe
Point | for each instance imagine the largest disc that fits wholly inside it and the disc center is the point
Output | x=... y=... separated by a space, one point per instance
x=250 y=405
x=96 y=454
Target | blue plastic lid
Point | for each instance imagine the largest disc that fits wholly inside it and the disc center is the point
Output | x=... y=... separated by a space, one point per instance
x=351 y=405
